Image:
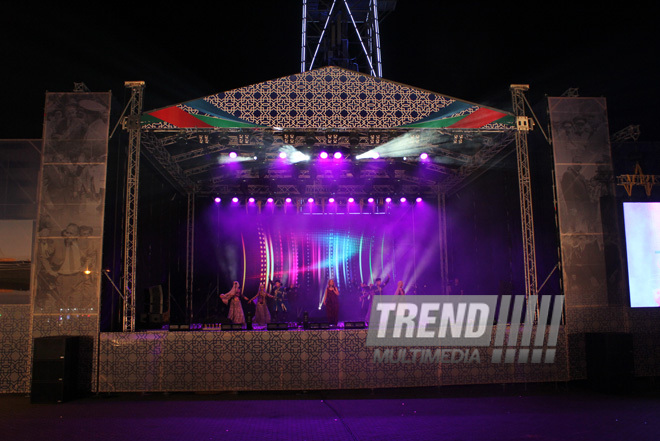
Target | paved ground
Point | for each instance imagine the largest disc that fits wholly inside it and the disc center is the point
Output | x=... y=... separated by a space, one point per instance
x=538 y=412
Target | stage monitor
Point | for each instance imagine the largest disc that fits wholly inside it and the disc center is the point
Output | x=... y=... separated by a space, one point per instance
x=642 y=227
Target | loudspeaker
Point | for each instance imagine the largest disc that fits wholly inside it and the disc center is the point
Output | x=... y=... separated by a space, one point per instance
x=610 y=362
x=277 y=326
x=231 y=327
x=323 y=325
x=55 y=369
x=354 y=325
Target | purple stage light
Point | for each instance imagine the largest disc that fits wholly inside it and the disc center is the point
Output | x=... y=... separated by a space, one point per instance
x=234 y=200
x=269 y=200
x=351 y=200
x=217 y=200
x=324 y=155
x=388 y=200
x=371 y=200
x=251 y=200
x=310 y=200
x=331 y=200
x=233 y=155
x=403 y=199
x=419 y=199
x=282 y=155
x=424 y=156
x=338 y=155
x=288 y=200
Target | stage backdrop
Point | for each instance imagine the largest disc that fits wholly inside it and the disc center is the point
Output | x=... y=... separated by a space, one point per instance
x=70 y=218
x=303 y=250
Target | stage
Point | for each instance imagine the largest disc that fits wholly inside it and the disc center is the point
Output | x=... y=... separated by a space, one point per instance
x=206 y=361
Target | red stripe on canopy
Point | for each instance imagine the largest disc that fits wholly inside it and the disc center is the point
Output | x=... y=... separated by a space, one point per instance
x=478 y=119
x=178 y=117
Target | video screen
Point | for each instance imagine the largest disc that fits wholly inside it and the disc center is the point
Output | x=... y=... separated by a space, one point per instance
x=642 y=227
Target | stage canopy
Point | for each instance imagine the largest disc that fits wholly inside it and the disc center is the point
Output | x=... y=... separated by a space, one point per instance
x=278 y=128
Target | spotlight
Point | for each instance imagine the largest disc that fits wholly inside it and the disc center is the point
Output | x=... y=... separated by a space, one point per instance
x=375 y=155
x=324 y=155
x=351 y=200
x=370 y=200
x=269 y=200
x=282 y=155
x=331 y=200
x=310 y=200
x=234 y=200
x=418 y=199
x=288 y=200
x=424 y=156
x=402 y=200
x=338 y=155
x=388 y=200
x=217 y=200
x=232 y=155
x=251 y=200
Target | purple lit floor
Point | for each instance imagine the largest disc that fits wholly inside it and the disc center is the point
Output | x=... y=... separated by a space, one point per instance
x=541 y=412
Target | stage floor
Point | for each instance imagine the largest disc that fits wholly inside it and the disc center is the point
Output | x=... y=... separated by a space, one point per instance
x=198 y=361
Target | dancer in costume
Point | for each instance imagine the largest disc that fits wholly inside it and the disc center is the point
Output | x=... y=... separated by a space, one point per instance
x=331 y=302
x=262 y=315
x=233 y=299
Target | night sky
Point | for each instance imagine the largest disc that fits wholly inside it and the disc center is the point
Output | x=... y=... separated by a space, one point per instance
x=467 y=50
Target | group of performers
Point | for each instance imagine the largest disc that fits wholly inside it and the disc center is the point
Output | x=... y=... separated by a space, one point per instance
x=262 y=315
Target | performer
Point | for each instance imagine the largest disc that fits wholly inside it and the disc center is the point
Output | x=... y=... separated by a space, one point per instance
x=281 y=303
x=399 y=289
x=365 y=300
x=233 y=299
x=262 y=315
x=379 y=286
x=331 y=302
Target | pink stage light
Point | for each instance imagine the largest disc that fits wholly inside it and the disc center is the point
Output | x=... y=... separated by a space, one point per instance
x=269 y=200
x=288 y=200
x=419 y=199
x=403 y=199
x=217 y=200
x=371 y=200
x=251 y=200
x=331 y=200
x=234 y=200
x=310 y=200
x=324 y=155
x=282 y=155
x=233 y=155
x=338 y=155
x=351 y=200
x=424 y=156
x=388 y=200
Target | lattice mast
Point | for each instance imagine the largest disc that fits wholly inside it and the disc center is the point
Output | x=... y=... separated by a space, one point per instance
x=523 y=125
x=343 y=33
x=132 y=126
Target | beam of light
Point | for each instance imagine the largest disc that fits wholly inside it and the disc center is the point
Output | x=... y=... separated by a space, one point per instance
x=409 y=144
x=230 y=160
x=294 y=156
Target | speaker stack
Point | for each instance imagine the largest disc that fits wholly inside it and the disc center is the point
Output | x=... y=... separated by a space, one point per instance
x=55 y=369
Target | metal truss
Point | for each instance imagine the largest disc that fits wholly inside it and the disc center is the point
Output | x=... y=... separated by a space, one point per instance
x=523 y=126
x=161 y=159
x=331 y=29
x=190 y=254
x=132 y=125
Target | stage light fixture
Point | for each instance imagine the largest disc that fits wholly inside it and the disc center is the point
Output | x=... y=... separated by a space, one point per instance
x=418 y=200
x=269 y=200
x=388 y=200
x=424 y=156
x=351 y=200
x=288 y=200
x=217 y=200
x=234 y=200
x=282 y=155
x=233 y=155
x=331 y=200
x=310 y=200
x=370 y=200
x=402 y=200
x=323 y=155
x=375 y=155
x=251 y=200
x=338 y=155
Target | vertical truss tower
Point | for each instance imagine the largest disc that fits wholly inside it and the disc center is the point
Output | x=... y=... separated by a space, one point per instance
x=343 y=33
